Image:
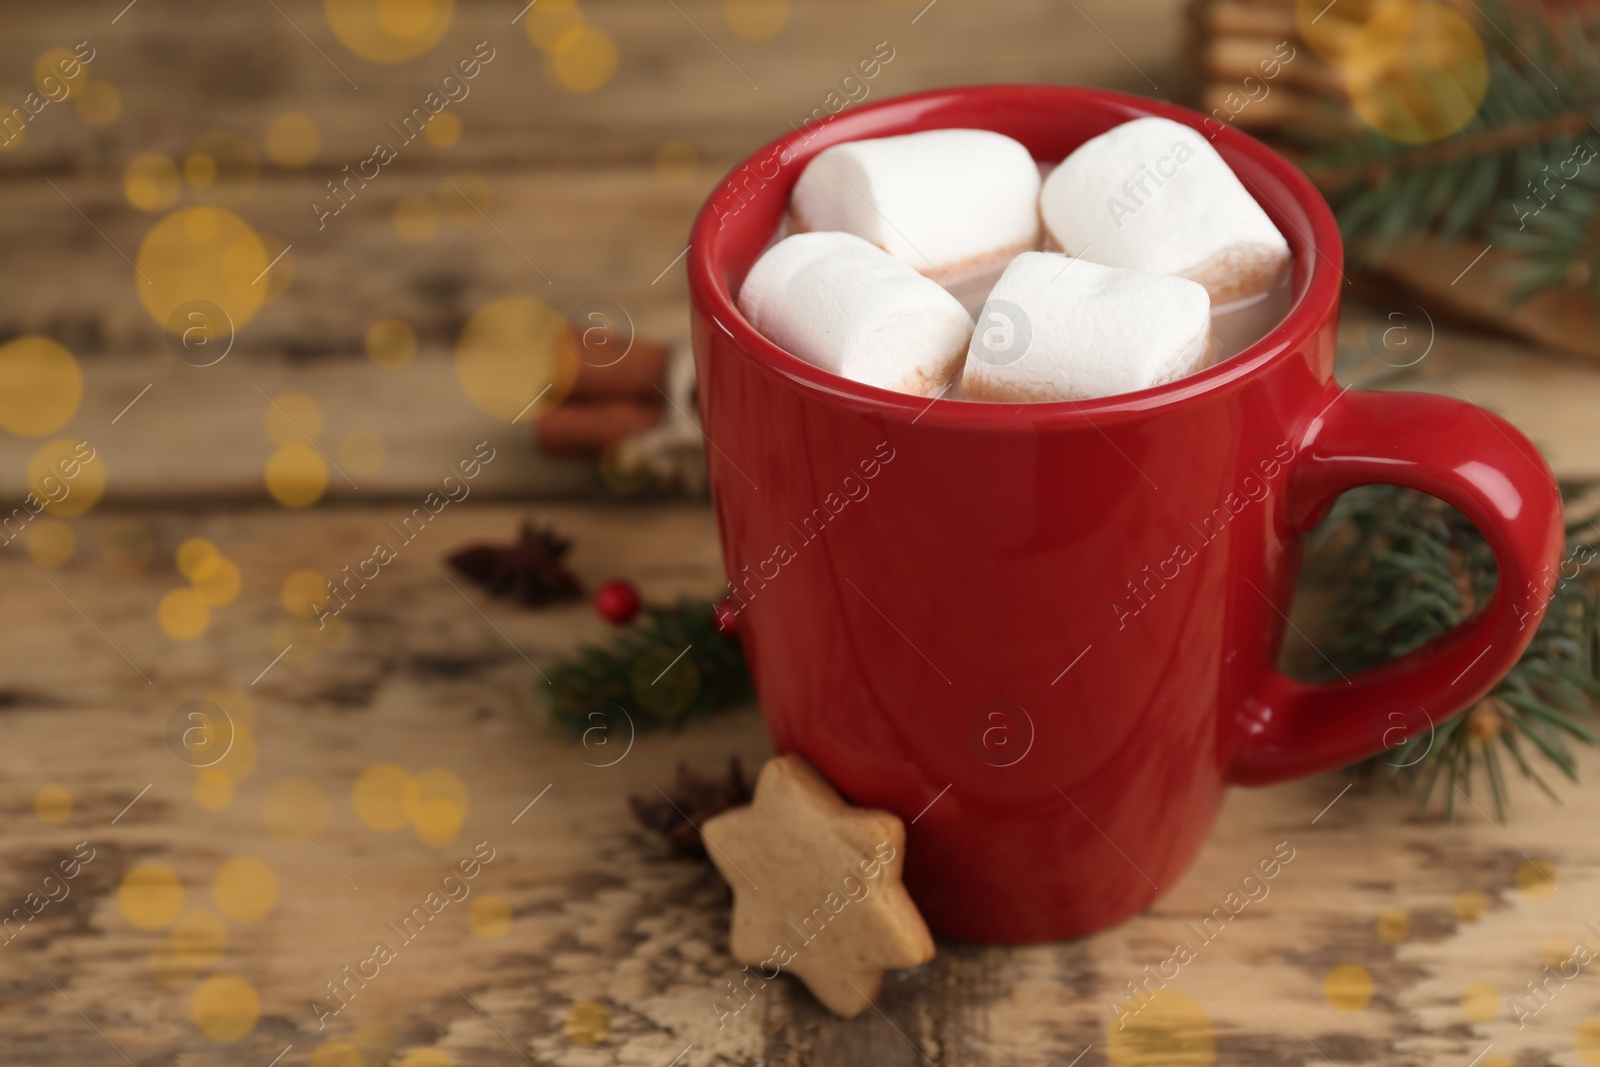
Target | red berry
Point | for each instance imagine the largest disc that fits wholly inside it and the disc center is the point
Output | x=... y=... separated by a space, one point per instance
x=725 y=618
x=617 y=601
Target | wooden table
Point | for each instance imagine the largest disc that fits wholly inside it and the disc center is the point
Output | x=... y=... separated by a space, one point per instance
x=432 y=676
x=603 y=926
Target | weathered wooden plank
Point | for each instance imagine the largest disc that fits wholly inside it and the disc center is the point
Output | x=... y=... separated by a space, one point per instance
x=186 y=67
x=199 y=433
x=426 y=681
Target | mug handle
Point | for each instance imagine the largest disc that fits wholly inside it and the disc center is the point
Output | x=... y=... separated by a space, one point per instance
x=1483 y=467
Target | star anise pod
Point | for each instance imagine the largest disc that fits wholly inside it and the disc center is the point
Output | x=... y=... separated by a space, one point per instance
x=529 y=569
x=694 y=798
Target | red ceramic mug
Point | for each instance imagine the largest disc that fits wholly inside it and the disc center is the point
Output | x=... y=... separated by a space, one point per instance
x=1045 y=634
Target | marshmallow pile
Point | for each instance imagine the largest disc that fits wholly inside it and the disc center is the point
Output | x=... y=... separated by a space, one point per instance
x=1145 y=228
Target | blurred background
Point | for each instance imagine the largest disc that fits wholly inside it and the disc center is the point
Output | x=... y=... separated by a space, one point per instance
x=566 y=171
x=169 y=153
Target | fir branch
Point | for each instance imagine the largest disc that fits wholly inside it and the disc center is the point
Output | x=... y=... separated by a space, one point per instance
x=669 y=666
x=1417 y=568
x=1374 y=162
x=1518 y=175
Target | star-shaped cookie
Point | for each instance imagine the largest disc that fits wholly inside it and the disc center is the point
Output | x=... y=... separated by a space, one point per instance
x=816 y=888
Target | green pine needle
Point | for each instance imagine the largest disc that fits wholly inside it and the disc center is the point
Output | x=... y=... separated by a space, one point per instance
x=1523 y=174
x=1417 y=568
x=667 y=667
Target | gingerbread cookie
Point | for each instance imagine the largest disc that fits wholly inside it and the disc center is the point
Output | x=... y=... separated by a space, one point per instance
x=817 y=888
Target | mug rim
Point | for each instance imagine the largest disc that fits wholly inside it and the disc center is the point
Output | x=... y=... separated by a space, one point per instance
x=1321 y=250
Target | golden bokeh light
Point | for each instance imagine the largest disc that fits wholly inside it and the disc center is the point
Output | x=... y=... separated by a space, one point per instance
x=336 y=1054
x=222 y=168
x=379 y=796
x=295 y=810
x=443 y=130
x=416 y=219
x=1556 y=952
x=362 y=453
x=588 y=1022
x=68 y=484
x=1329 y=29
x=199 y=170
x=756 y=20
x=391 y=343
x=59 y=74
x=51 y=543
x=196 y=554
x=236 y=702
x=240 y=759
x=98 y=104
x=510 y=354
x=280 y=272
x=40 y=386
x=1536 y=879
x=1417 y=72
x=183 y=614
x=1586 y=1041
x=1171 y=1030
x=388 y=31
x=152 y=182
x=225 y=1007
x=199 y=938
x=676 y=162
x=1394 y=926
x=202 y=253
x=437 y=822
x=427 y=1057
x=150 y=896
x=546 y=21
x=464 y=199
x=434 y=784
x=198 y=570
x=292 y=418
x=405 y=19
x=490 y=917
x=1470 y=905
x=212 y=790
x=292 y=139
x=245 y=889
x=220 y=584
x=296 y=475
x=1480 y=1002
x=583 y=59
x=435 y=802
x=1348 y=987
x=295 y=642
x=304 y=594
x=53 y=805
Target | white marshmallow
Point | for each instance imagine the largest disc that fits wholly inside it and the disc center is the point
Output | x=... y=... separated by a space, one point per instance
x=941 y=200
x=851 y=308
x=1057 y=328
x=1152 y=194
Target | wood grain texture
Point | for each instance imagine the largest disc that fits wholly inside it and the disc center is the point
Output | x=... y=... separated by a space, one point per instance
x=199 y=435
x=578 y=209
x=600 y=914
